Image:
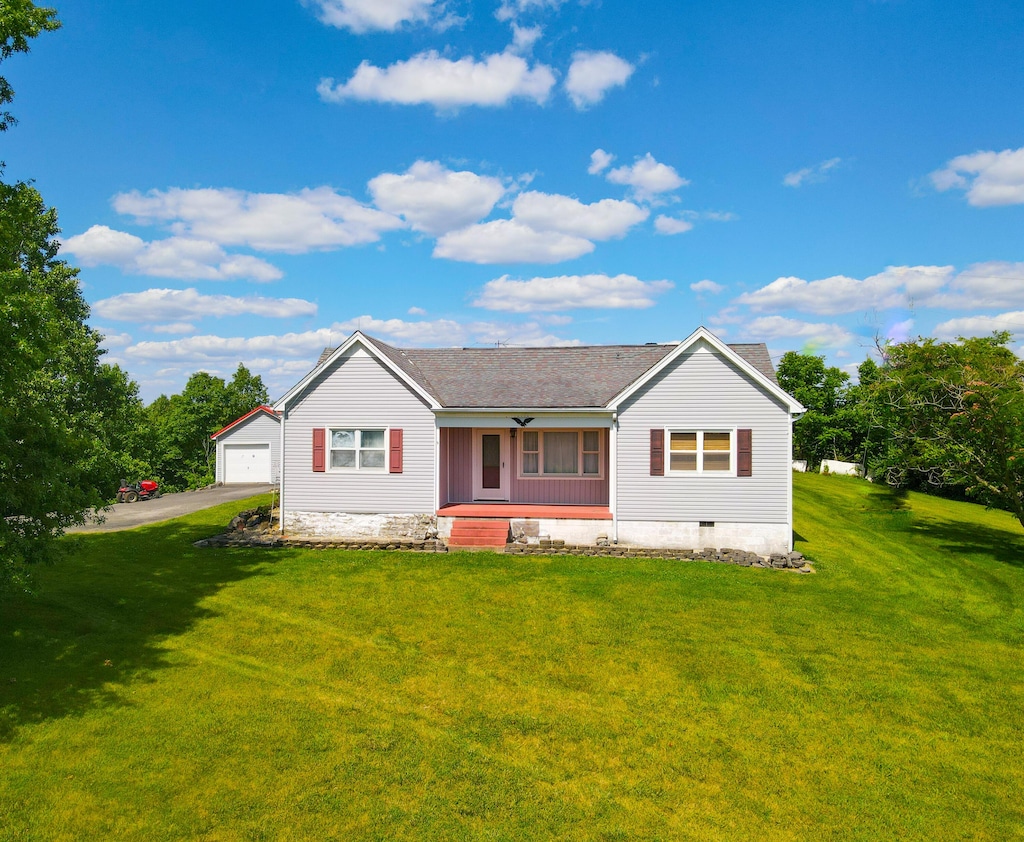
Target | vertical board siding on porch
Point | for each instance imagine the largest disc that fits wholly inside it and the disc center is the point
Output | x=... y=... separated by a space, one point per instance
x=359 y=392
x=703 y=391
x=460 y=465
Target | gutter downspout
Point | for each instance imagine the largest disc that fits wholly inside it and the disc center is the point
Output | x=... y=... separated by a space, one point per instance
x=613 y=475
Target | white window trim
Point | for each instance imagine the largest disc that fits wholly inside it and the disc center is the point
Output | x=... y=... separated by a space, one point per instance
x=602 y=454
x=356 y=469
x=700 y=472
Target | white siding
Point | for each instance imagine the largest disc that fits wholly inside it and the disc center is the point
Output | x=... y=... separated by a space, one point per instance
x=357 y=391
x=258 y=429
x=702 y=390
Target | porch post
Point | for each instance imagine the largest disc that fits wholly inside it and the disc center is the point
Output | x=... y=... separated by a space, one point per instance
x=437 y=466
x=613 y=475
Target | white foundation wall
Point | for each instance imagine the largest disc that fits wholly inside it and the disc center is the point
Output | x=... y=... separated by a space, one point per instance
x=760 y=538
x=355 y=526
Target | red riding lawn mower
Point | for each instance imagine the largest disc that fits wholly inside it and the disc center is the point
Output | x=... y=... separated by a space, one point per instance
x=129 y=493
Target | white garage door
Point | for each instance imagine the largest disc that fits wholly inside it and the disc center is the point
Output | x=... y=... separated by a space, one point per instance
x=247 y=463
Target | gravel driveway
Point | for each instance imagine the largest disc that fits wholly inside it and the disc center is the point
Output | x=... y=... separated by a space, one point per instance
x=127 y=515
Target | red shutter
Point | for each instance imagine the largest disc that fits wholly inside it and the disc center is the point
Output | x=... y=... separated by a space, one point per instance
x=319 y=460
x=395 y=465
x=657 y=453
x=744 y=454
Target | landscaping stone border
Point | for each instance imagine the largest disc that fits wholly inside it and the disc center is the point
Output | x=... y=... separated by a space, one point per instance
x=253 y=528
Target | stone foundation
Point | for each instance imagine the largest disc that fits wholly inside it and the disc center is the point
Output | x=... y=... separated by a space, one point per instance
x=344 y=526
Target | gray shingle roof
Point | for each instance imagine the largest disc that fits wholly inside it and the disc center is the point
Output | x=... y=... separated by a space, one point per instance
x=555 y=378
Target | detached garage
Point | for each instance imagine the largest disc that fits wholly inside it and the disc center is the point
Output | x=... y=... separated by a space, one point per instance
x=249 y=448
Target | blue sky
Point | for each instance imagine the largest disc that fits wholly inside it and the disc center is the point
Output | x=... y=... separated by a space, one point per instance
x=252 y=181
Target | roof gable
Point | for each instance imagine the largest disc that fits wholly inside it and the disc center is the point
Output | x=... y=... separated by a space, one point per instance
x=747 y=364
x=261 y=408
x=357 y=339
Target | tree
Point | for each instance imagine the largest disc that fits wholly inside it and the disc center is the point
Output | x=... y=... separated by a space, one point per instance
x=54 y=454
x=953 y=413
x=834 y=425
x=20 y=20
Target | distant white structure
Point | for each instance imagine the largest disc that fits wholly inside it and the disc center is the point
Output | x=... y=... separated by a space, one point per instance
x=800 y=465
x=846 y=469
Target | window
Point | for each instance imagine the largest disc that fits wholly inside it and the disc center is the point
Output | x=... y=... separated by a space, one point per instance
x=560 y=453
x=701 y=452
x=358 y=449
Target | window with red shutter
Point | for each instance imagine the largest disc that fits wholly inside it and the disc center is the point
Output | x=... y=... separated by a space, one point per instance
x=744 y=454
x=657 y=453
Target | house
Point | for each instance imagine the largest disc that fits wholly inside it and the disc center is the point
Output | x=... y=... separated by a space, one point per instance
x=249 y=448
x=685 y=445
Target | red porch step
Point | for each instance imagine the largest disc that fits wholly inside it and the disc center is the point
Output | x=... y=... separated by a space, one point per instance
x=475 y=533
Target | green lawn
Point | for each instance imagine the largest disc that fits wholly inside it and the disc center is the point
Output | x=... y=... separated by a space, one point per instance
x=156 y=691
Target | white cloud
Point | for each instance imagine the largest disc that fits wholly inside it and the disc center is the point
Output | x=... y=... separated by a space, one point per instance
x=768 y=328
x=509 y=241
x=206 y=348
x=981 y=325
x=174 y=328
x=592 y=74
x=984 y=285
x=599 y=161
x=510 y=9
x=706 y=286
x=647 y=177
x=434 y=199
x=597 y=221
x=897 y=286
x=998 y=177
x=162 y=305
x=365 y=15
x=570 y=292
x=428 y=78
x=113 y=339
x=174 y=257
x=671 y=225
x=524 y=37
x=416 y=311
x=811 y=175
x=313 y=218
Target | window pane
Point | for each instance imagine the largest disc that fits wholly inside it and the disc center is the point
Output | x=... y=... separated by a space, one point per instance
x=561 y=451
x=343 y=458
x=716 y=461
x=591 y=463
x=591 y=441
x=683 y=442
x=716 y=441
x=529 y=463
x=530 y=440
x=371 y=458
x=343 y=438
x=683 y=461
x=371 y=438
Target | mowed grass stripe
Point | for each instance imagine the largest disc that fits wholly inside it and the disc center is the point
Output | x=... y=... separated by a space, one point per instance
x=304 y=694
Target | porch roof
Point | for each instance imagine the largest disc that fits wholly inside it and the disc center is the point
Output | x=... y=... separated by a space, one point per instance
x=581 y=377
